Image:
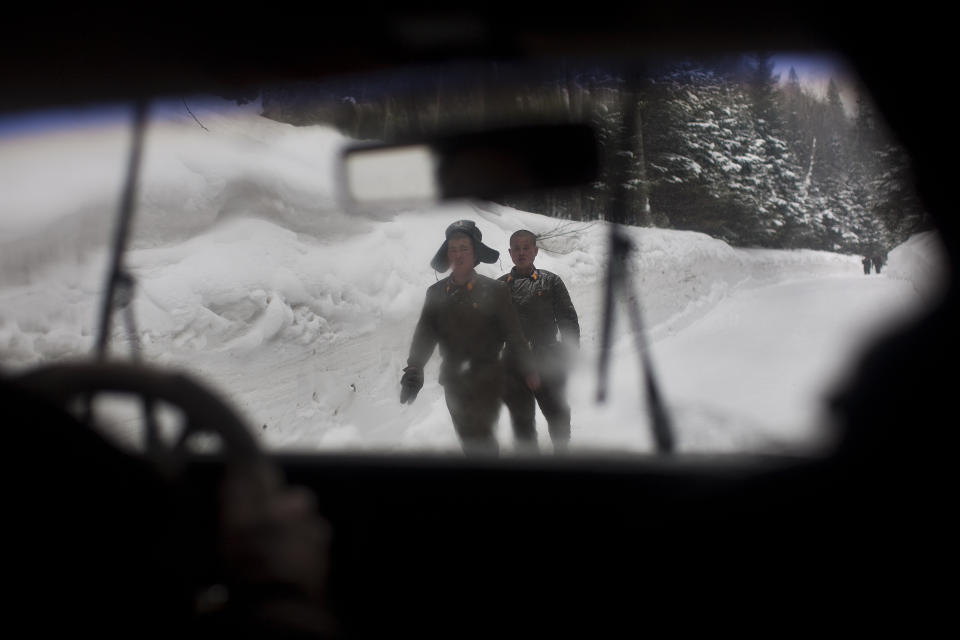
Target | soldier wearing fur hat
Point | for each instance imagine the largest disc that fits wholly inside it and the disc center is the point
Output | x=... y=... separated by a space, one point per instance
x=470 y=317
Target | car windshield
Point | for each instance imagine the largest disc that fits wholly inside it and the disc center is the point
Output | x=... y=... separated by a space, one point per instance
x=774 y=225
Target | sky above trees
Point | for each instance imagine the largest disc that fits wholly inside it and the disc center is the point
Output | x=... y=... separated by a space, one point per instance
x=815 y=72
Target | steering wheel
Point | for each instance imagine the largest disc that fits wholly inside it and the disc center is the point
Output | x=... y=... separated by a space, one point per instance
x=204 y=411
x=270 y=533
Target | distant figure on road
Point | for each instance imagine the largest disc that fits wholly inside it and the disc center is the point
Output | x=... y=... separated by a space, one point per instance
x=878 y=261
x=866 y=266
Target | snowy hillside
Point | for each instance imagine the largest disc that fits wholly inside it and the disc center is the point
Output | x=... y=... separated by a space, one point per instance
x=250 y=274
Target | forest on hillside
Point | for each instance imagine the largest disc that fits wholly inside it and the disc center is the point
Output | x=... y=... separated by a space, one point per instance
x=722 y=146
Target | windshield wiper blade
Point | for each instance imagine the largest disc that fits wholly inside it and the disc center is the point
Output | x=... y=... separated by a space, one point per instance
x=117 y=281
x=618 y=282
x=120 y=284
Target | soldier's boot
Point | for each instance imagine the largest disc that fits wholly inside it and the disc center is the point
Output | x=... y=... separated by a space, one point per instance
x=524 y=432
x=559 y=429
x=473 y=446
x=523 y=420
x=527 y=445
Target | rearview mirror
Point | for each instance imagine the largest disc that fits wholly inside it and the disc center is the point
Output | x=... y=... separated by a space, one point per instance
x=484 y=165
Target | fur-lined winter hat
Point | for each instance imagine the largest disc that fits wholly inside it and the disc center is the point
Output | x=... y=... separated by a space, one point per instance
x=481 y=252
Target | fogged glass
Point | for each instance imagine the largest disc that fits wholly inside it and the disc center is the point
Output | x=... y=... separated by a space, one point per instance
x=774 y=224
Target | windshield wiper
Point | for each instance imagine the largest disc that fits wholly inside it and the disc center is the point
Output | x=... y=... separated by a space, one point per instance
x=120 y=283
x=618 y=283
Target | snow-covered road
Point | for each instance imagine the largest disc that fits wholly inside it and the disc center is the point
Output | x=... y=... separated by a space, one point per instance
x=761 y=364
x=750 y=374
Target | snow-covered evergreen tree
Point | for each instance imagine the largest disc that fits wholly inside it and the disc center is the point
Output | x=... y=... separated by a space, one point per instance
x=718 y=146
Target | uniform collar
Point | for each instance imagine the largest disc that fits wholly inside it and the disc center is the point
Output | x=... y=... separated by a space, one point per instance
x=515 y=275
x=453 y=288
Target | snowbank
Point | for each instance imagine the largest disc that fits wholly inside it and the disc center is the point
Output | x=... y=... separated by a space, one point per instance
x=922 y=261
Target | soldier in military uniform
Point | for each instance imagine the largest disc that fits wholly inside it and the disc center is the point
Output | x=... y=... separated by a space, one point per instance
x=552 y=330
x=471 y=317
x=879 y=259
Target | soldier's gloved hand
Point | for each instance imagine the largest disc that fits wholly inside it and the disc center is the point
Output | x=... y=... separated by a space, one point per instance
x=410 y=384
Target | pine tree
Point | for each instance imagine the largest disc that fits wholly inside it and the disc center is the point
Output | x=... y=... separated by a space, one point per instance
x=716 y=146
x=762 y=84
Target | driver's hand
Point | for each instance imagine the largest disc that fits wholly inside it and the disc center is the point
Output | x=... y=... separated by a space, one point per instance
x=272 y=536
